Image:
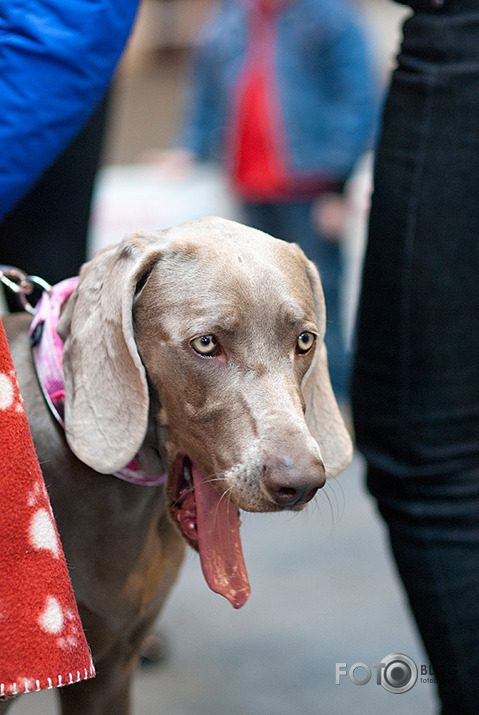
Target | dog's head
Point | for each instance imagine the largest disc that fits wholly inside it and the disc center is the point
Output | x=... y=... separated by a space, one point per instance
x=201 y=348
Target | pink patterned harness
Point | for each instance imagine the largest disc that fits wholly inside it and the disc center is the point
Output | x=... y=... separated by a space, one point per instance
x=47 y=354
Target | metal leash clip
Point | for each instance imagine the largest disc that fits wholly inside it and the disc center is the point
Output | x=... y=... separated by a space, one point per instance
x=22 y=285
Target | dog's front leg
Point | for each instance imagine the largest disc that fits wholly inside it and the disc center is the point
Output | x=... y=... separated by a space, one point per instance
x=109 y=692
x=5 y=704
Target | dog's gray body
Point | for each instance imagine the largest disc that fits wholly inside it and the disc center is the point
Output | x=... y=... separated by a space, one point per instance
x=257 y=416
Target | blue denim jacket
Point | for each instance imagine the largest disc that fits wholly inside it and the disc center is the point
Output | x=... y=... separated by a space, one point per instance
x=326 y=84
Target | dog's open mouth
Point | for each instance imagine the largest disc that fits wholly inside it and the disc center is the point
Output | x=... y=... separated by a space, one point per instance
x=210 y=524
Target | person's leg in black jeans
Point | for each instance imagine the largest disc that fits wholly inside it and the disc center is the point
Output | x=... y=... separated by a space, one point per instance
x=416 y=377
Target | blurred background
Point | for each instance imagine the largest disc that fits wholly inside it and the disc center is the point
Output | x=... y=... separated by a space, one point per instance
x=324 y=591
x=146 y=108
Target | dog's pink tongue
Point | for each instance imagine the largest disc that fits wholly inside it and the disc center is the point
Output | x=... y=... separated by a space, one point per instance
x=219 y=543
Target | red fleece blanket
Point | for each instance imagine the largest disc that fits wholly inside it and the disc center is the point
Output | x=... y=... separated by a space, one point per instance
x=42 y=644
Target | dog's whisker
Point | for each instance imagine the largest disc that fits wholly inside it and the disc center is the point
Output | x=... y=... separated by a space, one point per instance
x=335 y=505
x=215 y=478
x=225 y=496
x=332 y=484
x=229 y=503
x=331 y=511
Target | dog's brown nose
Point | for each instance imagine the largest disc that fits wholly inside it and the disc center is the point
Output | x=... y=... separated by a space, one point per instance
x=290 y=484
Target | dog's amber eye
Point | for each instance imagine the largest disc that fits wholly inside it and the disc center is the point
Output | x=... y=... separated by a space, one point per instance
x=205 y=345
x=305 y=342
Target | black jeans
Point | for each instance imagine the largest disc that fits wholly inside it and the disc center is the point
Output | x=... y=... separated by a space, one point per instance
x=415 y=386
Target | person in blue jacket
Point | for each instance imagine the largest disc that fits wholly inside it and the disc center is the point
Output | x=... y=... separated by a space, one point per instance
x=56 y=61
x=46 y=232
x=284 y=93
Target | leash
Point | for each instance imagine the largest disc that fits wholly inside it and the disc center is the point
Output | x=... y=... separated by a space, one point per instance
x=47 y=349
x=22 y=285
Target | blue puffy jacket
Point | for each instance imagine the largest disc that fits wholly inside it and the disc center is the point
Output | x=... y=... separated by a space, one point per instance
x=57 y=58
x=326 y=84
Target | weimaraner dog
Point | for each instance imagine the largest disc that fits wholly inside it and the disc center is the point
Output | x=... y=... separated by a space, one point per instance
x=198 y=353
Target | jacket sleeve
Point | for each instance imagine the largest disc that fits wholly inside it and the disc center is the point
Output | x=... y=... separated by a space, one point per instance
x=57 y=58
x=200 y=129
x=353 y=92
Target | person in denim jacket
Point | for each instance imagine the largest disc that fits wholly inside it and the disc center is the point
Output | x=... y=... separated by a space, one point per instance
x=284 y=93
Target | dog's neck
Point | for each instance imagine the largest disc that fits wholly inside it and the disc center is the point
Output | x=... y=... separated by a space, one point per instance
x=47 y=350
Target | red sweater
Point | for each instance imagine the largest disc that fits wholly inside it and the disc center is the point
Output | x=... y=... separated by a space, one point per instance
x=258 y=163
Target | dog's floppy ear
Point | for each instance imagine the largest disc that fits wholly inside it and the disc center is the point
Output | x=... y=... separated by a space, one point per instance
x=106 y=392
x=322 y=412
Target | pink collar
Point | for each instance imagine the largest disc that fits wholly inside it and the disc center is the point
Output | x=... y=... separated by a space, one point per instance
x=47 y=354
